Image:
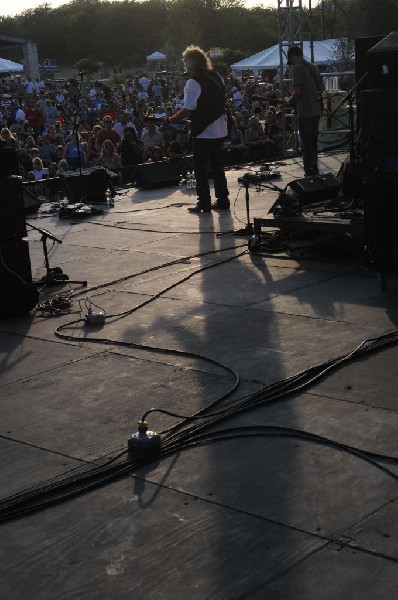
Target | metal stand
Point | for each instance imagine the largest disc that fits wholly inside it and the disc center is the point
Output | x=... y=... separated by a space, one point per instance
x=248 y=230
x=350 y=97
x=54 y=275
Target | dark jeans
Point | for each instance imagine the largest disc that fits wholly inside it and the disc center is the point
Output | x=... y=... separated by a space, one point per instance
x=308 y=130
x=209 y=152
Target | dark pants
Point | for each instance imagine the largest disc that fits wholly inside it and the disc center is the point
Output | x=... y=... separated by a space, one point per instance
x=209 y=152
x=308 y=130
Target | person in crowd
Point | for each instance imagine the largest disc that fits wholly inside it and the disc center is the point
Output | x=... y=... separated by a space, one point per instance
x=92 y=152
x=50 y=113
x=63 y=167
x=73 y=151
x=236 y=97
x=157 y=92
x=204 y=105
x=178 y=151
x=38 y=86
x=156 y=155
x=131 y=152
x=109 y=158
x=46 y=150
x=51 y=134
x=307 y=85
x=34 y=117
x=25 y=161
x=7 y=139
x=167 y=130
x=121 y=122
x=40 y=172
x=152 y=137
x=234 y=146
x=30 y=176
x=144 y=82
x=244 y=119
x=258 y=143
x=29 y=87
x=59 y=153
x=19 y=117
x=107 y=133
x=52 y=169
x=276 y=133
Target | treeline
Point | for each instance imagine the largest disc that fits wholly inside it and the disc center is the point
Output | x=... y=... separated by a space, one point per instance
x=124 y=33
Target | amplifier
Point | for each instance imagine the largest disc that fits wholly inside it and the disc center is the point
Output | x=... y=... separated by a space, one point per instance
x=318 y=188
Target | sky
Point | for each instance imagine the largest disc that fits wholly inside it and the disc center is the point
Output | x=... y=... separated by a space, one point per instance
x=15 y=7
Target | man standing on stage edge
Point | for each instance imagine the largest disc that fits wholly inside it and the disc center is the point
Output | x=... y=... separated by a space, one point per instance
x=204 y=105
x=307 y=85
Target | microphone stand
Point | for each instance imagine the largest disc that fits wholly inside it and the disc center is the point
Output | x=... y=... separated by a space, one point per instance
x=349 y=97
x=54 y=275
x=75 y=126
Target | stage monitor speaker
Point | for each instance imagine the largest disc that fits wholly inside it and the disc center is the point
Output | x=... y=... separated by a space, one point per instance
x=9 y=163
x=89 y=187
x=12 y=221
x=319 y=188
x=382 y=63
x=30 y=201
x=17 y=293
x=156 y=174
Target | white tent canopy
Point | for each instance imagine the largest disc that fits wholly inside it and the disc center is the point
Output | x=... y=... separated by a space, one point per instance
x=270 y=59
x=8 y=66
x=156 y=56
x=156 y=61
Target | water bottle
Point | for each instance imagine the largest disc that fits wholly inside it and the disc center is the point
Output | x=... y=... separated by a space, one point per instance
x=289 y=192
x=109 y=199
x=189 y=181
x=193 y=182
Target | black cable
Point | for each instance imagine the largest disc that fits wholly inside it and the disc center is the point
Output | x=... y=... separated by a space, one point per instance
x=156 y=268
x=176 y=284
x=21 y=504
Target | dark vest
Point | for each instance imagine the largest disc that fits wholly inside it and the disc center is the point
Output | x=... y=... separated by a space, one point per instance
x=211 y=102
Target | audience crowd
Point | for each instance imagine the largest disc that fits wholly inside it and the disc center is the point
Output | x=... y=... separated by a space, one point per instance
x=61 y=126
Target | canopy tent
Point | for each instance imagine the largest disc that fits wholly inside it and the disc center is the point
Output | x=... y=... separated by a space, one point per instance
x=8 y=66
x=270 y=59
x=156 y=61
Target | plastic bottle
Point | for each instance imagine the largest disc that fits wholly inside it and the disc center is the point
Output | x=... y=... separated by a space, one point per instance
x=109 y=199
x=189 y=181
x=289 y=192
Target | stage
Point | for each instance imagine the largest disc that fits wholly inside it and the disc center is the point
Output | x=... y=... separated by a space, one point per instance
x=269 y=495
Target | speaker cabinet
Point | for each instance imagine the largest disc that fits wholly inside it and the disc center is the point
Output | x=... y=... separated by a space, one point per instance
x=9 y=163
x=12 y=222
x=382 y=63
x=156 y=174
x=362 y=46
x=89 y=187
x=17 y=293
x=379 y=130
x=316 y=189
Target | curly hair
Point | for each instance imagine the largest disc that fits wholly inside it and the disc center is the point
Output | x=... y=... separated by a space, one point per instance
x=196 y=59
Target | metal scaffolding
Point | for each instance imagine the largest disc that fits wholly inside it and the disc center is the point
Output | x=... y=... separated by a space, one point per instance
x=290 y=31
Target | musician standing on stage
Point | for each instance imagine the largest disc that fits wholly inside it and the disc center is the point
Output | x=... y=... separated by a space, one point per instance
x=307 y=85
x=204 y=105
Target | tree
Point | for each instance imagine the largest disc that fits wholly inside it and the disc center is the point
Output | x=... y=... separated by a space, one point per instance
x=88 y=64
x=343 y=53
